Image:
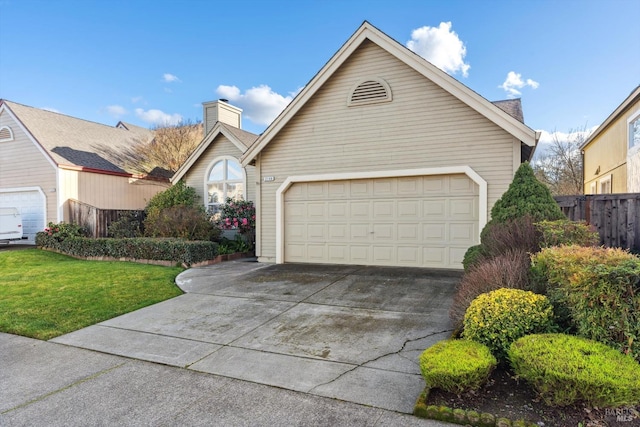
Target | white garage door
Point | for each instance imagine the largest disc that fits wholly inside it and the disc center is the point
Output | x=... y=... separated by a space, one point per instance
x=423 y=221
x=31 y=204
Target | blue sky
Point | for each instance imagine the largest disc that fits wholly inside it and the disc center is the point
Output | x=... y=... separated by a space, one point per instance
x=142 y=61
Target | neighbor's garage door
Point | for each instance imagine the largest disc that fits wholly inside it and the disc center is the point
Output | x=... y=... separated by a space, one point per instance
x=424 y=221
x=31 y=204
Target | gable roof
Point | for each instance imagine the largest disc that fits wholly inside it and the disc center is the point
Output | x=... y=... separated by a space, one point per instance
x=238 y=137
x=368 y=32
x=633 y=97
x=76 y=143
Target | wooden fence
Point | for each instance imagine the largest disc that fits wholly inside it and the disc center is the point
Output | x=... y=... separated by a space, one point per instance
x=616 y=217
x=95 y=220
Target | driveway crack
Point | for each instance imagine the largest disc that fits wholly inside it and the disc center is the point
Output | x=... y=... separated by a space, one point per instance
x=398 y=352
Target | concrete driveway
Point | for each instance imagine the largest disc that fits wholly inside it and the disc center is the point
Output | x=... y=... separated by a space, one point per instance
x=347 y=332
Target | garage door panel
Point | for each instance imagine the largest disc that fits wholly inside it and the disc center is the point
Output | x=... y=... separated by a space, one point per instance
x=409 y=232
x=359 y=254
x=384 y=232
x=434 y=208
x=462 y=232
x=434 y=232
x=317 y=232
x=359 y=232
x=360 y=211
x=384 y=210
x=413 y=221
x=462 y=208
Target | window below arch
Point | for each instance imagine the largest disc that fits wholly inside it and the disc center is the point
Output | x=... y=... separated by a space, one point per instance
x=224 y=180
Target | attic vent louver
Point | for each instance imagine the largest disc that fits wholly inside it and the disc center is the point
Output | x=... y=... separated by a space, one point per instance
x=370 y=91
x=6 y=134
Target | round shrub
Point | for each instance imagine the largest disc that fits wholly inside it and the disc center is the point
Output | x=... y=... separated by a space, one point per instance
x=473 y=256
x=565 y=369
x=500 y=317
x=509 y=270
x=457 y=365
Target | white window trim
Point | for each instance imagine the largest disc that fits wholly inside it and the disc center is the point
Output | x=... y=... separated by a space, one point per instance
x=11 y=137
x=593 y=188
x=634 y=117
x=605 y=179
x=208 y=172
x=466 y=170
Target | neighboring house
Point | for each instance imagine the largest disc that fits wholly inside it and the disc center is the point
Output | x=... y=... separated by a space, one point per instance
x=612 y=152
x=381 y=159
x=47 y=158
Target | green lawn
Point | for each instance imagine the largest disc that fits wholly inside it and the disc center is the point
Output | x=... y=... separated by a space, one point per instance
x=45 y=294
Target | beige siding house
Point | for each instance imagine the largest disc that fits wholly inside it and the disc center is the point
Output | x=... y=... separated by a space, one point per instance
x=47 y=158
x=214 y=168
x=381 y=159
x=612 y=152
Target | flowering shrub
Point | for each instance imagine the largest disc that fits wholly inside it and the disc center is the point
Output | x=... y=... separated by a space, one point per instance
x=63 y=231
x=500 y=317
x=238 y=215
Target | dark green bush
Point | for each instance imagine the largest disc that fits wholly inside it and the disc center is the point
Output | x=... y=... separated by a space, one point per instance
x=565 y=369
x=174 y=250
x=498 y=318
x=183 y=222
x=595 y=292
x=178 y=194
x=565 y=232
x=456 y=365
x=509 y=270
x=128 y=225
x=473 y=256
x=526 y=196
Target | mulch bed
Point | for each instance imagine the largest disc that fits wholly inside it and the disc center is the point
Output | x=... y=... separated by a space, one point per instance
x=505 y=396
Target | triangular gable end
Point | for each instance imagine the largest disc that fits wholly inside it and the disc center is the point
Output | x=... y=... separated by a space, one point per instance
x=367 y=31
x=4 y=107
x=217 y=129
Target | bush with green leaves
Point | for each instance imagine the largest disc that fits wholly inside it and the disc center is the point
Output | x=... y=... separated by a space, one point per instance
x=508 y=270
x=62 y=231
x=178 y=194
x=498 y=318
x=174 y=250
x=595 y=292
x=457 y=365
x=183 y=222
x=129 y=224
x=526 y=196
x=565 y=232
x=565 y=369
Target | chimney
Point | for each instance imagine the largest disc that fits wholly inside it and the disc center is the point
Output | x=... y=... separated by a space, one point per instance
x=220 y=111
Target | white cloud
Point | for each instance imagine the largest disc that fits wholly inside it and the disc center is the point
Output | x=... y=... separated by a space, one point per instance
x=170 y=78
x=260 y=104
x=158 y=117
x=514 y=81
x=116 y=111
x=440 y=46
x=137 y=99
x=53 y=110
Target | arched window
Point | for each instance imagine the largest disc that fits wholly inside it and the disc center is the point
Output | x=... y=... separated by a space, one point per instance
x=225 y=179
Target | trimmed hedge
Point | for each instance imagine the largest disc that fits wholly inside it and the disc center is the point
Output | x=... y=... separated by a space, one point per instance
x=500 y=317
x=565 y=232
x=174 y=250
x=595 y=291
x=565 y=369
x=456 y=365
